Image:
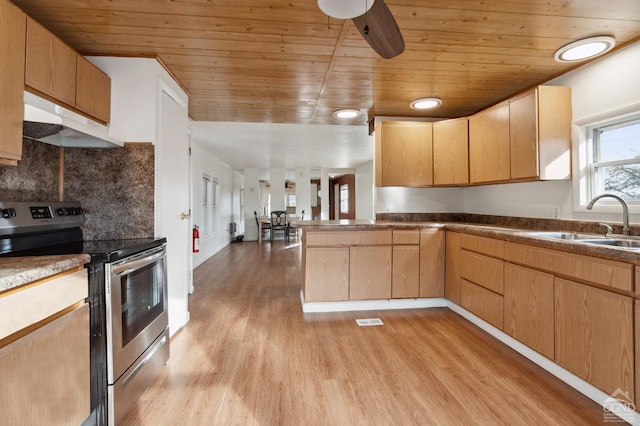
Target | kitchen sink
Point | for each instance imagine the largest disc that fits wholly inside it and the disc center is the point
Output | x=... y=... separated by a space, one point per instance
x=565 y=235
x=623 y=243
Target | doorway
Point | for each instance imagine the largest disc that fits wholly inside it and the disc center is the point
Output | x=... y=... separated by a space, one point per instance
x=342 y=197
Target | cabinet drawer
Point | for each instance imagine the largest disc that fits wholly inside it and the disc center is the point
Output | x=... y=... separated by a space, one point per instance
x=27 y=305
x=605 y=272
x=484 y=271
x=484 y=303
x=488 y=246
x=406 y=236
x=348 y=238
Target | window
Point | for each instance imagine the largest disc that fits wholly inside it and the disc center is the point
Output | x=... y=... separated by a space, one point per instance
x=209 y=200
x=291 y=200
x=615 y=159
x=344 y=198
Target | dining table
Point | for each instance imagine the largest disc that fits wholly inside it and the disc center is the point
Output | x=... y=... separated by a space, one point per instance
x=267 y=219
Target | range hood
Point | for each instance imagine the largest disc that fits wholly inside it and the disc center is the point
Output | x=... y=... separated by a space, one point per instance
x=47 y=122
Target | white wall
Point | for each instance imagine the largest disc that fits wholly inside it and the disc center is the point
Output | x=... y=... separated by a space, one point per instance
x=599 y=89
x=276 y=185
x=303 y=192
x=364 y=191
x=203 y=161
x=251 y=203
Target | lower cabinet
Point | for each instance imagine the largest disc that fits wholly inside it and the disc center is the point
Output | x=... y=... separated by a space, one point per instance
x=327 y=274
x=482 y=302
x=370 y=273
x=594 y=335
x=45 y=374
x=452 y=267
x=432 y=262
x=528 y=308
x=405 y=281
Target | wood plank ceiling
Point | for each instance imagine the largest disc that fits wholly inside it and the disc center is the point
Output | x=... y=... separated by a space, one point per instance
x=284 y=61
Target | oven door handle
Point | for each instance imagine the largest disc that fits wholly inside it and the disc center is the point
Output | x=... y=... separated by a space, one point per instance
x=134 y=265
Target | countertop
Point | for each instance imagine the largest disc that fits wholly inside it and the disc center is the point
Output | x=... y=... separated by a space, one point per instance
x=17 y=271
x=517 y=235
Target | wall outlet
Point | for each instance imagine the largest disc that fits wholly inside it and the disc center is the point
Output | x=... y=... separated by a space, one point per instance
x=555 y=212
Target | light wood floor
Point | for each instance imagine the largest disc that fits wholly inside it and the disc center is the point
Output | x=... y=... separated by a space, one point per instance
x=250 y=357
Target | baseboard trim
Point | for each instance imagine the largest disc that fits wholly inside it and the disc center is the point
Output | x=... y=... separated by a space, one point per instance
x=371 y=305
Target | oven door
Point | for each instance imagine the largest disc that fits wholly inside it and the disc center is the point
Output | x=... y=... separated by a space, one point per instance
x=136 y=302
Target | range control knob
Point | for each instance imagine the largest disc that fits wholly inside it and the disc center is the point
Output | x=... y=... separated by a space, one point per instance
x=8 y=213
x=62 y=211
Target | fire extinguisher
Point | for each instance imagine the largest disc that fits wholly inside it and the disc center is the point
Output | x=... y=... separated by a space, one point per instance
x=196 y=239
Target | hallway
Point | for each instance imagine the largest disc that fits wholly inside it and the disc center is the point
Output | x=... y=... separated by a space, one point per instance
x=249 y=356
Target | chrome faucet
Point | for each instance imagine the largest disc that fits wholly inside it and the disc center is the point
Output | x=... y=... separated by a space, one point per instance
x=625 y=210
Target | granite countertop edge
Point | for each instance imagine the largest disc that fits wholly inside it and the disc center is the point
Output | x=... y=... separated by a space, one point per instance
x=516 y=235
x=18 y=271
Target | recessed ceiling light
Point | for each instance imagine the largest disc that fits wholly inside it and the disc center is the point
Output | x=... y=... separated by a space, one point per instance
x=584 y=49
x=426 y=103
x=346 y=113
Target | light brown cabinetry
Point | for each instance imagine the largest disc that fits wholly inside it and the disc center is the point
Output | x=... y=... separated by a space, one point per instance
x=451 y=152
x=326 y=274
x=370 y=272
x=452 y=266
x=482 y=278
x=432 y=262
x=347 y=265
x=594 y=335
x=405 y=282
x=540 y=134
x=12 y=56
x=50 y=64
x=47 y=373
x=528 y=308
x=93 y=94
x=404 y=154
x=525 y=138
x=54 y=70
x=489 y=156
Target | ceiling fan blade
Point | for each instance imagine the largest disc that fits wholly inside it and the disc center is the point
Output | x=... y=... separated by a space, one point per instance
x=380 y=29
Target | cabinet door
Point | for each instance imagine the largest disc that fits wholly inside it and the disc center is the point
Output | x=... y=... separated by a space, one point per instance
x=489 y=145
x=528 y=308
x=406 y=153
x=452 y=267
x=12 y=44
x=451 y=152
x=594 y=335
x=50 y=64
x=45 y=374
x=483 y=271
x=370 y=273
x=432 y=264
x=405 y=281
x=523 y=135
x=326 y=274
x=93 y=95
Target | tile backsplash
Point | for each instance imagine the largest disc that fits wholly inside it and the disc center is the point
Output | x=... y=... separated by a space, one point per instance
x=115 y=185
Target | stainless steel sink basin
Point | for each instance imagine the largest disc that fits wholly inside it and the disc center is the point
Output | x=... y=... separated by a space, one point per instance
x=623 y=243
x=564 y=235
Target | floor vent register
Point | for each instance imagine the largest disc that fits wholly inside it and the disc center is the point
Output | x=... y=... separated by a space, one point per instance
x=369 y=321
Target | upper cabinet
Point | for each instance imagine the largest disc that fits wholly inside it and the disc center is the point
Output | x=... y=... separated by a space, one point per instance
x=93 y=91
x=12 y=47
x=56 y=71
x=525 y=138
x=404 y=154
x=451 y=152
x=50 y=64
x=540 y=134
x=489 y=145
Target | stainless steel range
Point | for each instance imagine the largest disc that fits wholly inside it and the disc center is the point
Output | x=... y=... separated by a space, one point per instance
x=127 y=298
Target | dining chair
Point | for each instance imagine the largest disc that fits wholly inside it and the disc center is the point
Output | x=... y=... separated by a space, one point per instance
x=279 y=224
x=266 y=227
x=293 y=229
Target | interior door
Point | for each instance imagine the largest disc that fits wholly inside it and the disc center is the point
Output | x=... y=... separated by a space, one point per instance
x=174 y=206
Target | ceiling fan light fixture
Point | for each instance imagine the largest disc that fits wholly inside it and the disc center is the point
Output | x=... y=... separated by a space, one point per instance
x=346 y=113
x=426 y=103
x=345 y=9
x=585 y=48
